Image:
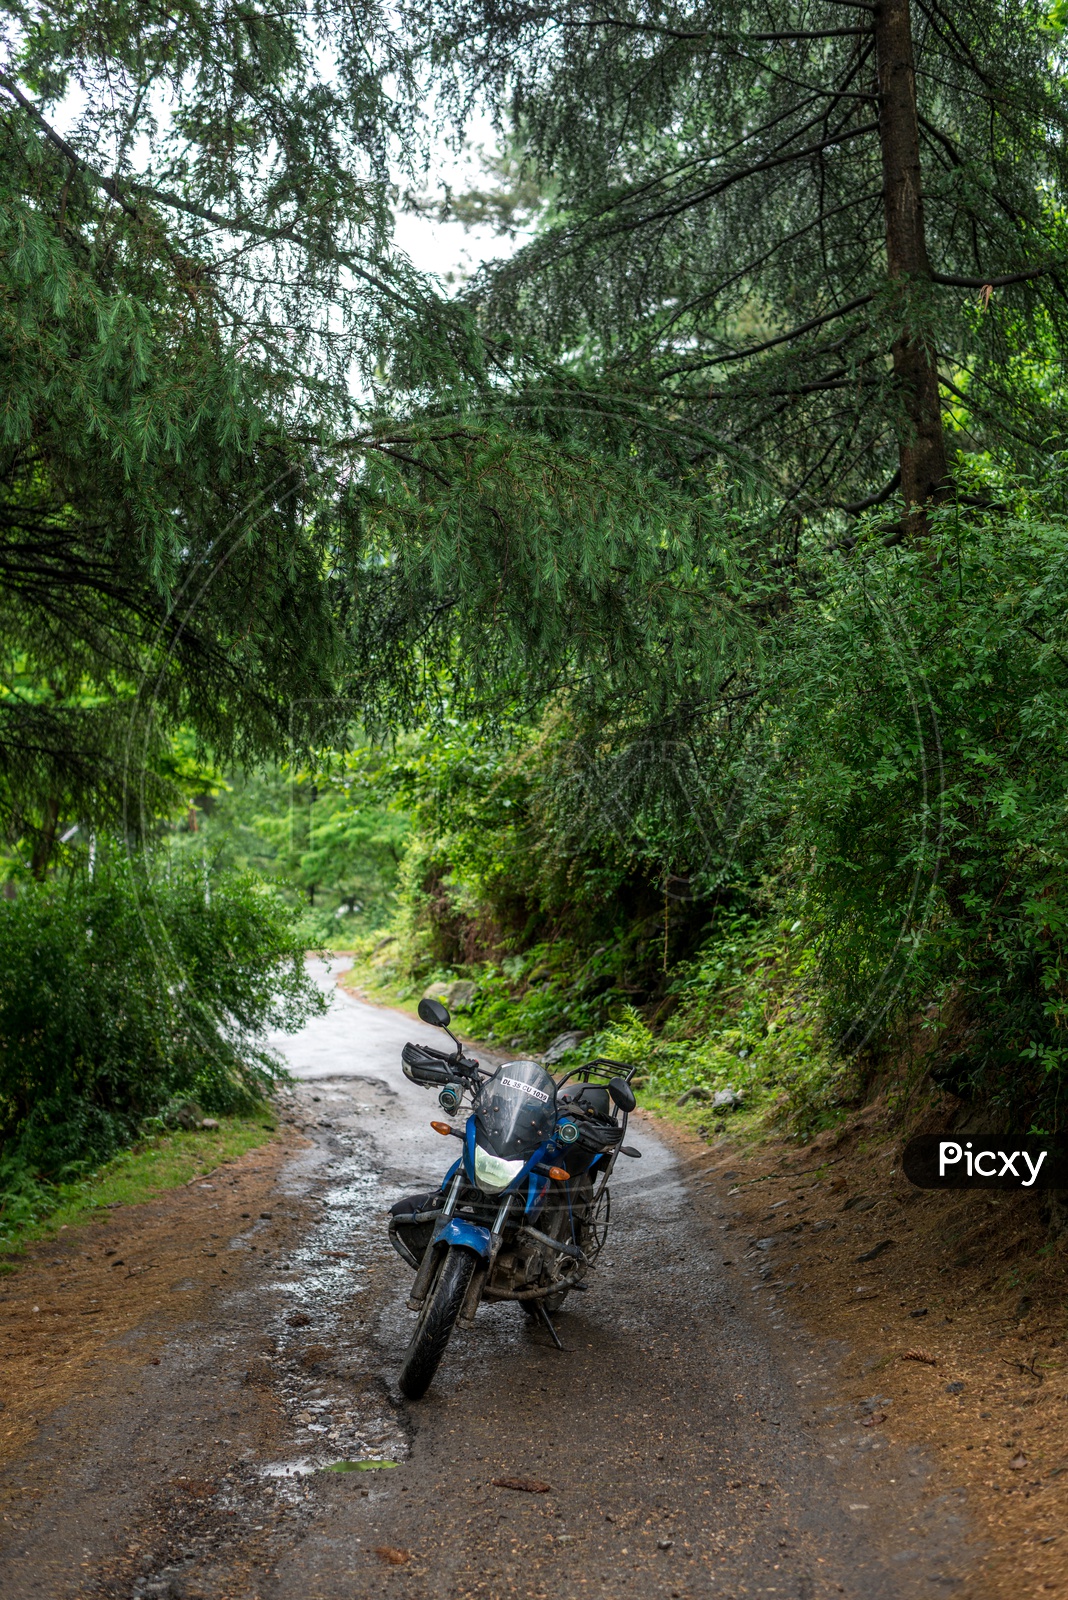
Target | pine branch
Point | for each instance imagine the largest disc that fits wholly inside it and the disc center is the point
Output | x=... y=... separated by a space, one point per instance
x=955 y=282
x=781 y=338
x=666 y=213
x=695 y=35
x=109 y=185
x=240 y=225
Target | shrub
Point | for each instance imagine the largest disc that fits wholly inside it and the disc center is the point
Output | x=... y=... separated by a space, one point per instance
x=120 y=993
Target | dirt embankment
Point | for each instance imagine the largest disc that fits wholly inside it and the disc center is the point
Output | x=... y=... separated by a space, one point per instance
x=73 y=1297
x=951 y=1309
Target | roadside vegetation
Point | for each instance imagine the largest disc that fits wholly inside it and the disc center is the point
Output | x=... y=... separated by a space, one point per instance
x=156 y=1162
x=133 y=1001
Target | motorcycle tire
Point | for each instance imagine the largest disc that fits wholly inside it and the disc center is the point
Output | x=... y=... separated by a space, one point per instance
x=436 y=1323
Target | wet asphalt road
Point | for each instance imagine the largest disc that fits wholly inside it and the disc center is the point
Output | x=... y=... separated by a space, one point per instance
x=690 y=1434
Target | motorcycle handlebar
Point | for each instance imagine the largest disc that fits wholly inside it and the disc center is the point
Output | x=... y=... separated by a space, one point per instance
x=434 y=1068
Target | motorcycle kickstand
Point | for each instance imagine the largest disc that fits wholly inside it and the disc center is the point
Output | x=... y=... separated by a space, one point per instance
x=545 y=1317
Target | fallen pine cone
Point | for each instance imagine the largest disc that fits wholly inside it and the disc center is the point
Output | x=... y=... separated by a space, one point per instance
x=920 y=1355
x=525 y=1485
x=392 y=1557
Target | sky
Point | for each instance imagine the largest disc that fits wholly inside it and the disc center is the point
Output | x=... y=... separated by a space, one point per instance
x=447 y=249
x=451 y=252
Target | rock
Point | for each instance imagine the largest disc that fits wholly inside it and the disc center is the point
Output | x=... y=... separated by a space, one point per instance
x=875 y=1402
x=559 y=1046
x=876 y=1250
x=726 y=1097
x=954 y=1388
x=859 y=1202
x=763 y=1244
x=457 y=992
x=299 y=1319
x=209 y=1123
x=698 y=1092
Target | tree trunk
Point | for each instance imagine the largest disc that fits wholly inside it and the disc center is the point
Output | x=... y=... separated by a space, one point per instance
x=922 y=447
x=46 y=838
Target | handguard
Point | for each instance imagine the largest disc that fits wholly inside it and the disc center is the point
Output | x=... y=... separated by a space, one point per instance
x=431 y=1068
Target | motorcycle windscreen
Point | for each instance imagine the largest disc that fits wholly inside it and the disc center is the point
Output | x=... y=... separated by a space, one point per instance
x=516 y=1110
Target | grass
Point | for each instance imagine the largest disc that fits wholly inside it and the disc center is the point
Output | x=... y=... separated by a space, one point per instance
x=159 y=1162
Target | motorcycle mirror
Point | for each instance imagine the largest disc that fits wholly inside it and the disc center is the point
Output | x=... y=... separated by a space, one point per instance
x=622 y=1094
x=435 y=1013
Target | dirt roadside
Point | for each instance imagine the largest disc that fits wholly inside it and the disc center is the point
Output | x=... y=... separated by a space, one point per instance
x=951 y=1311
x=152 y=1266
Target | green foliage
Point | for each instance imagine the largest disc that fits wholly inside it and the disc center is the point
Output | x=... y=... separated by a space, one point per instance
x=895 y=783
x=121 y=992
x=547 y=990
x=920 y=715
x=329 y=839
x=713 y=271
x=163 y=561
x=31 y=1206
x=746 y=1015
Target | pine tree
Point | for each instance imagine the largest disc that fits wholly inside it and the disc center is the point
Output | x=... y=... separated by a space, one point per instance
x=255 y=474
x=820 y=242
x=195 y=281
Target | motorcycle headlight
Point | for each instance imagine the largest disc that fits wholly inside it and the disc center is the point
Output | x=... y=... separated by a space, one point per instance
x=491 y=1173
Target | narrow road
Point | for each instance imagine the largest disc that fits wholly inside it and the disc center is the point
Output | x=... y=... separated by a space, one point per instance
x=689 y=1434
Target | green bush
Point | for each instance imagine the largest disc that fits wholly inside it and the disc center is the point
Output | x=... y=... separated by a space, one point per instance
x=921 y=733
x=121 y=993
x=746 y=1017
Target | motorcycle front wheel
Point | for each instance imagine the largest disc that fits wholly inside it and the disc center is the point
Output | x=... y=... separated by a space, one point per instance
x=436 y=1322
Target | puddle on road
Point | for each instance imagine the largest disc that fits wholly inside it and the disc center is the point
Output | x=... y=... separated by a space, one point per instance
x=324 y=1362
x=303 y=1467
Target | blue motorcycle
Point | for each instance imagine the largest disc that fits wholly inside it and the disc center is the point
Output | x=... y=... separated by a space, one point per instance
x=523 y=1213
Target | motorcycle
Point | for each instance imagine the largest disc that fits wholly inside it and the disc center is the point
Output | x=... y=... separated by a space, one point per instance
x=523 y=1212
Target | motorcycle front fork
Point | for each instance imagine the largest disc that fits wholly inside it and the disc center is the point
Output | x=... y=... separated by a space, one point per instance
x=480 y=1276
x=421 y=1283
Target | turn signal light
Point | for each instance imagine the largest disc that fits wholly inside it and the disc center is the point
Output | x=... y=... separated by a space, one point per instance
x=561 y=1174
x=441 y=1127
